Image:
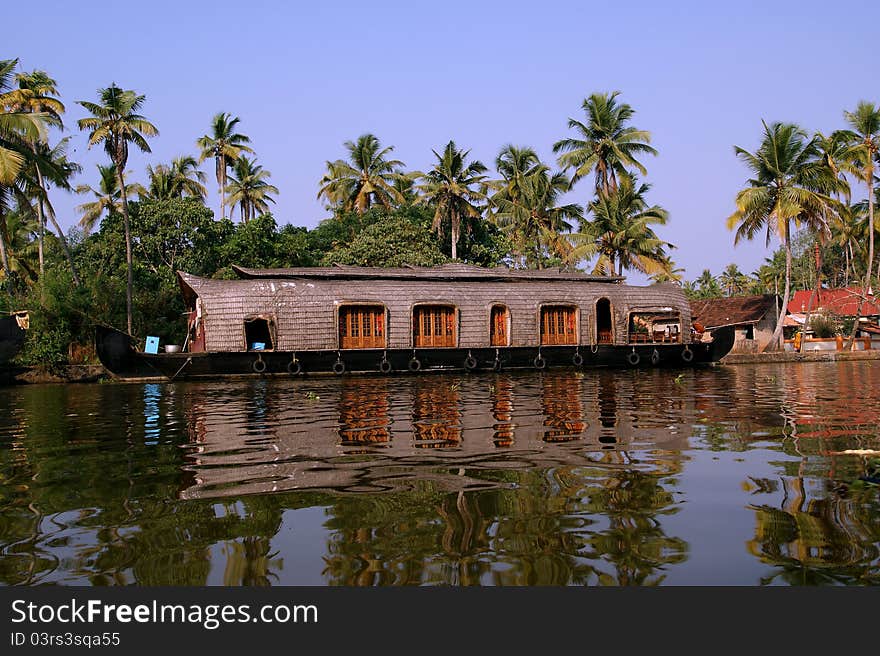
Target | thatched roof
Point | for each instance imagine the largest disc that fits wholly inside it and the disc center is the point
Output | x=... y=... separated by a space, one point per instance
x=733 y=311
x=442 y=272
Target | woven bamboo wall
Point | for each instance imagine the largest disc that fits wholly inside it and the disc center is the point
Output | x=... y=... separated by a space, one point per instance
x=306 y=309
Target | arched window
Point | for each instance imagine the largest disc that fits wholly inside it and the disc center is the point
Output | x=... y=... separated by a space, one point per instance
x=434 y=326
x=499 y=326
x=361 y=326
x=558 y=325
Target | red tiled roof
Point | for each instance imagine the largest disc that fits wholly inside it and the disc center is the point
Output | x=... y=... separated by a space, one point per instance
x=844 y=302
x=736 y=310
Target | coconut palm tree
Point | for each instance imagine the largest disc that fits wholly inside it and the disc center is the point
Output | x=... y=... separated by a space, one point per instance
x=604 y=144
x=249 y=190
x=452 y=187
x=106 y=199
x=513 y=164
x=621 y=233
x=529 y=211
x=368 y=177
x=19 y=232
x=865 y=139
x=115 y=122
x=225 y=145
x=41 y=98
x=19 y=127
x=789 y=183
x=50 y=167
x=733 y=281
x=182 y=179
x=669 y=273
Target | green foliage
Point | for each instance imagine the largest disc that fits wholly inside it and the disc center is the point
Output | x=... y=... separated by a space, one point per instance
x=258 y=243
x=823 y=325
x=390 y=242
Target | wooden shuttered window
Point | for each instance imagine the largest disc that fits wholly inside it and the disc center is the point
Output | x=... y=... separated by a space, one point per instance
x=558 y=325
x=434 y=325
x=498 y=326
x=361 y=326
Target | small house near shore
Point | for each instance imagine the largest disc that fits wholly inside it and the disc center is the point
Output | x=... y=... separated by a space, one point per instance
x=752 y=317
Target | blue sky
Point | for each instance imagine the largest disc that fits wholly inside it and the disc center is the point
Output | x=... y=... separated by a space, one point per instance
x=306 y=77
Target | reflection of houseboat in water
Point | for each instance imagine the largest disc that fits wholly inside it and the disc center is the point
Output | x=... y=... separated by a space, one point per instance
x=456 y=316
x=364 y=435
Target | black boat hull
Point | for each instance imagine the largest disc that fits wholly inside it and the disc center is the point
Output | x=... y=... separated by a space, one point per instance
x=117 y=354
x=11 y=339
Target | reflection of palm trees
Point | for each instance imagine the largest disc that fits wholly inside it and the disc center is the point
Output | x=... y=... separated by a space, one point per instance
x=831 y=540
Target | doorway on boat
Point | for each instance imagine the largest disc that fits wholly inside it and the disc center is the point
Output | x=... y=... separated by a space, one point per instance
x=604 y=325
x=434 y=325
x=361 y=326
x=259 y=333
x=558 y=325
x=499 y=326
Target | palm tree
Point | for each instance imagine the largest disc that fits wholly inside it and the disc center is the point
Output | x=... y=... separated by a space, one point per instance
x=669 y=273
x=529 y=211
x=789 y=183
x=249 y=190
x=513 y=164
x=51 y=167
x=453 y=188
x=19 y=127
x=106 y=199
x=19 y=230
x=621 y=231
x=116 y=123
x=367 y=178
x=225 y=145
x=707 y=285
x=865 y=137
x=604 y=143
x=733 y=281
x=182 y=179
x=40 y=99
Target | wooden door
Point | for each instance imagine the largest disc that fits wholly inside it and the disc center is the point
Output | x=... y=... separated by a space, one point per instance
x=498 y=326
x=558 y=325
x=361 y=326
x=434 y=325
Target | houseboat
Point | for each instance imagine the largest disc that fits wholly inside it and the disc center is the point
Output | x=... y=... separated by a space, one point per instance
x=12 y=333
x=347 y=319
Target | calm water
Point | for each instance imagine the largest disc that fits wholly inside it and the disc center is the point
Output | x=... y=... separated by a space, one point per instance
x=727 y=476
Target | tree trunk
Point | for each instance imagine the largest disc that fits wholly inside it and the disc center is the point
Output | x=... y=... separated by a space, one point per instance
x=775 y=343
x=455 y=230
x=128 y=287
x=4 y=255
x=864 y=295
x=815 y=293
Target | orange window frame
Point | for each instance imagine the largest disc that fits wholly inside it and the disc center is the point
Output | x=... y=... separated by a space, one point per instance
x=362 y=326
x=434 y=326
x=558 y=325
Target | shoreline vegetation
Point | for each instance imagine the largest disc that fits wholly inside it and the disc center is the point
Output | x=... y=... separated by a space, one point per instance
x=814 y=193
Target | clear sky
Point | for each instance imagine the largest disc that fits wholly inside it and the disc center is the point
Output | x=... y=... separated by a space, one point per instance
x=306 y=77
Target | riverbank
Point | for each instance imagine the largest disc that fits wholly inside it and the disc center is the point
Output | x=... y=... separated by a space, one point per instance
x=792 y=356
x=74 y=373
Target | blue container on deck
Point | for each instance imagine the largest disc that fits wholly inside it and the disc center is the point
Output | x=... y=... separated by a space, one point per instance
x=152 y=345
x=258 y=346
